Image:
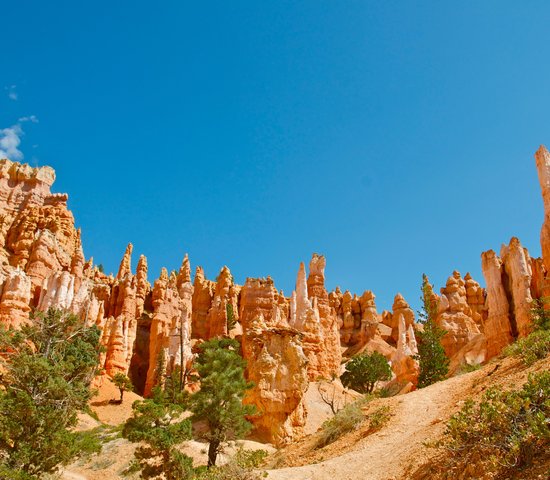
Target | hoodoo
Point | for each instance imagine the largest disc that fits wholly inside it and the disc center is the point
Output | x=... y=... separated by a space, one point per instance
x=286 y=341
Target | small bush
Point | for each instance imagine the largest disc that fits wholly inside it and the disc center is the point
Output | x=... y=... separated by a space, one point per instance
x=540 y=315
x=534 y=347
x=505 y=429
x=468 y=368
x=379 y=418
x=365 y=370
x=345 y=420
x=391 y=390
x=240 y=467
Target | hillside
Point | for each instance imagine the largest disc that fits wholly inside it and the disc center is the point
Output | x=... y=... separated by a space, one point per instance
x=397 y=451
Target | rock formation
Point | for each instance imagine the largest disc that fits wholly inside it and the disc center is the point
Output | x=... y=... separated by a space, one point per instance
x=517 y=264
x=542 y=159
x=278 y=367
x=498 y=328
x=169 y=338
x=276 y=362
x=287 y=341
x=223 y=313
x=404 y=366
x=455 y=315
x=203 y=292
x=314 y=316
x=15 y=299
x=327 y=316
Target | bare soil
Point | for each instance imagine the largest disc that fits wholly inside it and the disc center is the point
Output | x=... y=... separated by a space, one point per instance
x=397 y=450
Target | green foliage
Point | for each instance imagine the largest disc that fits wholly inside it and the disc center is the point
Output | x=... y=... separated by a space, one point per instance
x=100 y=268
x=505 y=429
x=536 y=345
x=231 y=321
x=379 y=418
x=160 y=369
x=249 y=458
x=531 y=348
x=364 y=370
x=160 y=426
x=47 y=368
x=391 y=390
x=240 y=467
x=468 y=368
x=346 y=420
x=434 y=364
x=219 y=400
x=123 y=383
x=540 y=313
x=174 y=386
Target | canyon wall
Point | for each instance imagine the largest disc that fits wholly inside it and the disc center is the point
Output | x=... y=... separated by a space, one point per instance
x=149 y=330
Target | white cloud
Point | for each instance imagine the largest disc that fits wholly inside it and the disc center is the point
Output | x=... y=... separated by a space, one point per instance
x=12 y=94
x=31 y=118
x=10 y=138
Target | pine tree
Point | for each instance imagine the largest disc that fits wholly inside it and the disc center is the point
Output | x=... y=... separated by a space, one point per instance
x=219 y=400
x=46 y=369
x=161 y=427
x=434 y=364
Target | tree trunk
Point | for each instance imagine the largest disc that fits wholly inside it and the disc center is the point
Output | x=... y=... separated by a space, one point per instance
x=213 y=452
x=121 y=394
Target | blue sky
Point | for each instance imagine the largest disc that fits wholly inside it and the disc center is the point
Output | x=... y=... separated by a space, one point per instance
x=394 y=137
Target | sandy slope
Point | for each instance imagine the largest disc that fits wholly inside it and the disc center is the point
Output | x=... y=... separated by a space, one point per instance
x=396 y=450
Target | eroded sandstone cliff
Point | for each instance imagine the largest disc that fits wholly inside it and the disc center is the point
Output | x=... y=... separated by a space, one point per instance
x=288 y=341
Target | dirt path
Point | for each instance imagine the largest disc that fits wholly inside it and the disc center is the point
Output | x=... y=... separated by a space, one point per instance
x=389 y=454
x=395 y=451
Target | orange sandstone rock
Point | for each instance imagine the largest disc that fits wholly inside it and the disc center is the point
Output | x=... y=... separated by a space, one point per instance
x=542 y=159
x=15 y=299
x=278 y=367
x=517 y=264
x=327 y=316
x=202 y=300
x=498 y=329
x=455 y=316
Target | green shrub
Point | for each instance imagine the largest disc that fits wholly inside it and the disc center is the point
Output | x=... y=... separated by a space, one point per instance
x=468 y=368
x=364 y=371
x=240 y=467
x=390 y=390
x=539 y=314
x=505 y=429
x=379 y=418
x=231 y=320
x=534 y=347
x=345 y=420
